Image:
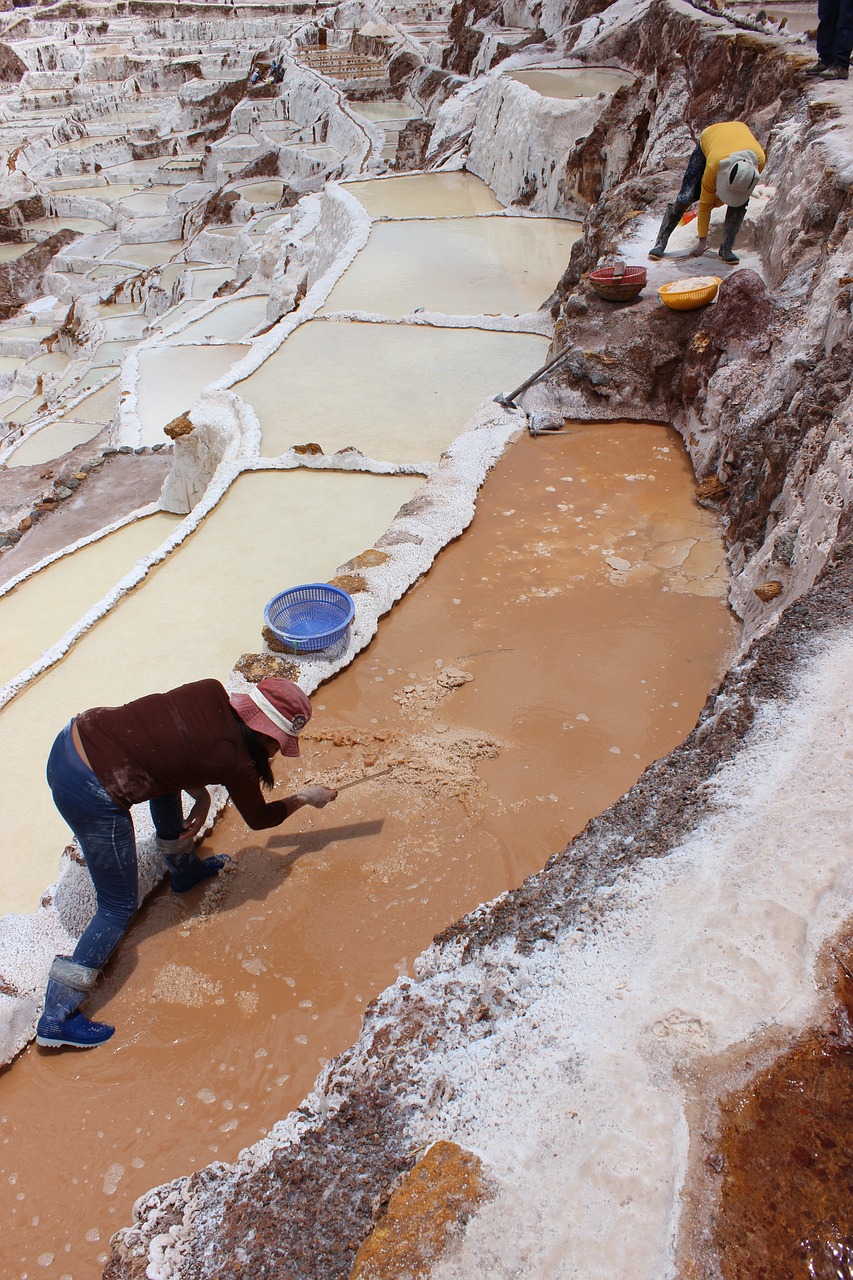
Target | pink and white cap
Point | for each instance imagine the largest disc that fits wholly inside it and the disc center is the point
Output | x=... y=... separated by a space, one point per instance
x=277 y=708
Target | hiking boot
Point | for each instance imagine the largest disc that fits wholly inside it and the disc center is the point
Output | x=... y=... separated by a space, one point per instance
x=835 y=73
x=191 y=870
x=77 y=1031
x=816 y=69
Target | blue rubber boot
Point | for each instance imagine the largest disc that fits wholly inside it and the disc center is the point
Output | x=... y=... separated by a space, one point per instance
x=185 y=869
x=61 y=1023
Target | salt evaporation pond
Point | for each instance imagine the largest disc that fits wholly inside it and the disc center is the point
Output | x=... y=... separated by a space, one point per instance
x=382 y=111
x=162 y=645
x=262 y=192
x=462 y=266
x=36 y=614
x=227 y=1005
x=9 y=252
x=233 y=319
x=88 y=226
x=55 y=440
x=421 y=195
x=170 y=379
x=148 y=253
x=424 y=383
x=573 y=82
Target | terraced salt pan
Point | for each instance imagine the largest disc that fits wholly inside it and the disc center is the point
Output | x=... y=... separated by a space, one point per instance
x=164 y=643
x=382 y=111
x=88 y=226
x=10 y=252
x=233 y=319
x=82 y=144
x=149 y=203
x=396 y=392
x=36 y=614
x=573 y=82
x=111 y=193
x=462 y=266
x=151 y=253
x=98 y=407
x=264 y=192
x=108 y=271
x=423 y=195
x=171 y=378
x=55 y=440
x=204 y=281
x=50 y=362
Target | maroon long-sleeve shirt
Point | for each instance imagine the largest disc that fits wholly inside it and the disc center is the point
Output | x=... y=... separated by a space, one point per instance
x=177 y=741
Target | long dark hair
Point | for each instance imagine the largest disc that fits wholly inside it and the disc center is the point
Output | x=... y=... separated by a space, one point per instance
x=256 y=750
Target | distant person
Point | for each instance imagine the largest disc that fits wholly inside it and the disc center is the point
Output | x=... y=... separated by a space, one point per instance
x=834 y=40
x=723 y=169
x=153 y=749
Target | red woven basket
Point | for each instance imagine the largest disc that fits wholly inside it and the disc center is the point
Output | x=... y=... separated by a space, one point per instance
x=618 y=288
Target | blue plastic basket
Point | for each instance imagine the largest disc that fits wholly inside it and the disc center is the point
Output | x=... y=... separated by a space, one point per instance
x=310 y=617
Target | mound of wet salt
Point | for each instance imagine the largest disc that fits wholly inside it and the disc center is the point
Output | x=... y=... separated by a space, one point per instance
x=693 y=282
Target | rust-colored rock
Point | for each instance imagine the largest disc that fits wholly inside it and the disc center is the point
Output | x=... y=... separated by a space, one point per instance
x=352 y=583
x=25 y=524
x=768 y=591
x=180 y=426
x=367 y=560
x=273 y=643
x=710 y=489
x=309 y=449
x=434 y=1200
x=261 y=666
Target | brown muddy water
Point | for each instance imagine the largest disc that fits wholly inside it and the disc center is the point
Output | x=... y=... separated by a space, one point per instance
x=564 y=643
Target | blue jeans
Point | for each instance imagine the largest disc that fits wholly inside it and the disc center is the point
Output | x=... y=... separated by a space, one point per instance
x=105 y=832
x=835 y=32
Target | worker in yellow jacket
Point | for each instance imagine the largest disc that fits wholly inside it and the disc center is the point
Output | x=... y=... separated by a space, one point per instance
x=723 y=169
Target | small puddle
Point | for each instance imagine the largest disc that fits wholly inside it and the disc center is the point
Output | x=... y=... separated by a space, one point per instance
x=522 y=686
x=423 y=385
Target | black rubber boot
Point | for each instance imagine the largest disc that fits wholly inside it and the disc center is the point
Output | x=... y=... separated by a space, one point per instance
x=671 y=219
x=731 y=226
x=61 y=1023
x=185 y=869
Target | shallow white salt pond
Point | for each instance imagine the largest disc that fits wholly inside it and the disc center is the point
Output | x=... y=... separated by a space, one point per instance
x=423 y=195
x=462 y=266
x=398 y=393
x=232 y=319
x=171 y=378
x=149 y=253
x=382 y=111
x=9 y=252
x=573 y=82
x=54 y=440
x=175 y=628
x=37 y=613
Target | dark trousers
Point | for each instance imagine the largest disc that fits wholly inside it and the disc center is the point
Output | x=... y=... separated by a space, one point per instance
x=105 y=832
x=835 y=32
x=691 y=183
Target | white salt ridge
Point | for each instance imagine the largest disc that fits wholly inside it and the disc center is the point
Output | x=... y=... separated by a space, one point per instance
x=575 y=1102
